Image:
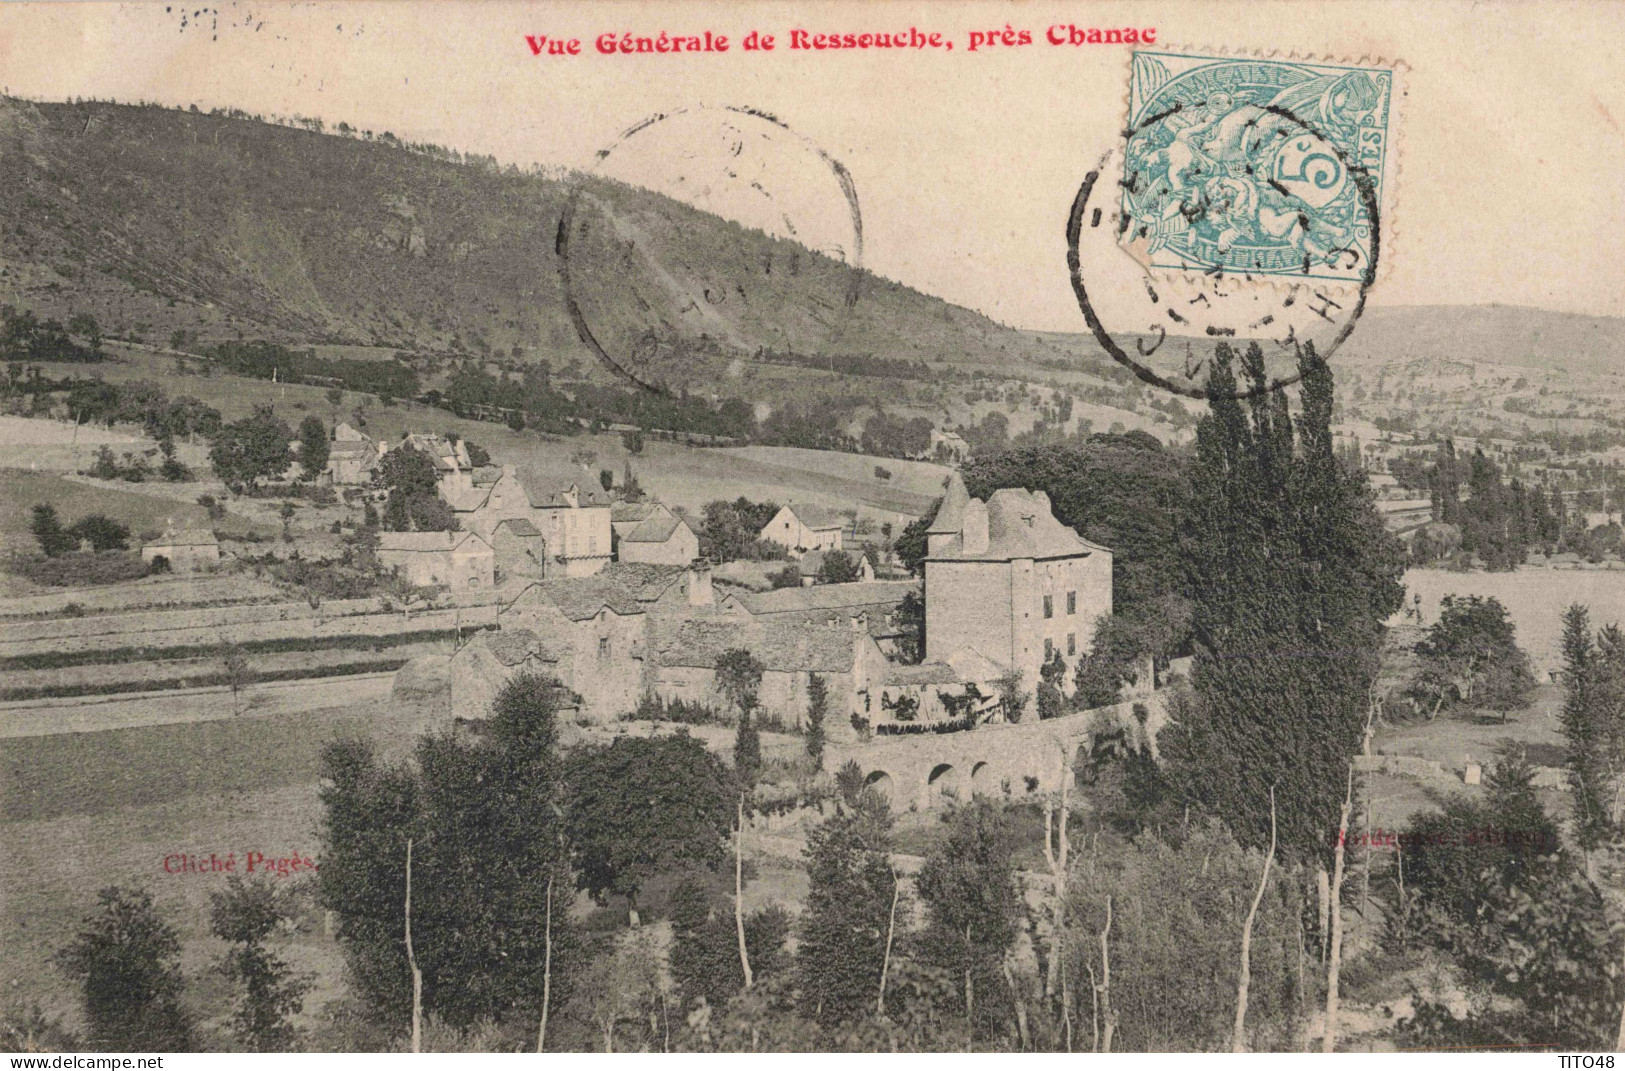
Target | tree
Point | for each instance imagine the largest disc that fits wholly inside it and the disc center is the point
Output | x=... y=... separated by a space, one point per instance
x=252 y=449
x=849 y=905
x=1013 y=697
x=1487 y=883
x=909 y=620
x=837 y=568
x=101 y=532
x=705 y=954
x=85 y=326
x=245 y=915
x=747 y=748
x=911 y=545
x=1471 y=655
x=817 y=711
x=642 y=807
x=314 y=447
x=235 y=664
x=125 y=959
x=484 y=818
x=48 y=532
x=738 y=678
x=1291 y=574
x=632 y=440
x=414 y=495
x=788 y=577
x=730 y=531
x=969 y=886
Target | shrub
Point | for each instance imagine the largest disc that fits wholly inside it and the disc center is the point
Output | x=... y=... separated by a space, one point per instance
x=126 y=961
x=80 y=569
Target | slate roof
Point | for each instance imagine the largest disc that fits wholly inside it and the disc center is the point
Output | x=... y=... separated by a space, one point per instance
x=817 y=518
x=780 y=648
x=656 y=529
x=951 y=514
x=924 y=673
x=827 y=597
x=425 y=542
x=470 y=500
x=513 y=645
x=519 y=526
x=546 y=485
x=359 y=447
x=624 y=512
x=624 y=587
x=1019 y=525
x=186 y=537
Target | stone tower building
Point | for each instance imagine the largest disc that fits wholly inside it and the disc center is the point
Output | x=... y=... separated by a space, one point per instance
x=1006 y=579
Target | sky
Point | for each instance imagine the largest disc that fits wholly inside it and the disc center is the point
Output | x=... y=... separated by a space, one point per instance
x=964 y=164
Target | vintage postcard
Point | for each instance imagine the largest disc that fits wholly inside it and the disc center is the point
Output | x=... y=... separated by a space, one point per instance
x=1041 y=527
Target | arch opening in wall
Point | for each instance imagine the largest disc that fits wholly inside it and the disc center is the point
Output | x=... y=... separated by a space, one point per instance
x=981 y=778
x=945 y=782
x=881 y=782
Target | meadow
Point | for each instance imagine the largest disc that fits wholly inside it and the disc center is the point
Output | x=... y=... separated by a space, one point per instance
x=1535 y=598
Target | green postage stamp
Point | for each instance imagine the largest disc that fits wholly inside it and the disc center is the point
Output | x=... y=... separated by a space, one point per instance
x=1256 y=166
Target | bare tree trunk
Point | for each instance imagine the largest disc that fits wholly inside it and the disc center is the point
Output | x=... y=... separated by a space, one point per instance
x=1238 y=1037
x=412 y=960
x=891 y=928
x=1021 y=1007
x=1106 y=1012
x=739 y=893
x=1335 y=959
x=1323 y=900
x=1619 y=1042
x=547 y=969
x=1094 y=1000
x=1059 y=858
x=1365 y=871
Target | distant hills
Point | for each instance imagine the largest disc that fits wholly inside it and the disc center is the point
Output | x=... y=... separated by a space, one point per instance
x=1491 y=334
x=158 y=219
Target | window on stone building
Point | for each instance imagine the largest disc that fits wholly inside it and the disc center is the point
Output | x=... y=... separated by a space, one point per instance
x=1049 y=650
x=1071 y=643
x=603 y=647
x=1049 y=606
x=1071 y=602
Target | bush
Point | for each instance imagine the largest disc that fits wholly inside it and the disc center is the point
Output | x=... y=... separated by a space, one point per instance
x=679 y=711
x=80 y=569
x=126 y=959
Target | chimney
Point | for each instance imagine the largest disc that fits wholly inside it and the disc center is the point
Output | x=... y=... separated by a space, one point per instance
x=699 y=587
x=975 y=538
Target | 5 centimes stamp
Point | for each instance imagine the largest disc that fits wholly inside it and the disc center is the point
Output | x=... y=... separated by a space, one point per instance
x=1253 y=165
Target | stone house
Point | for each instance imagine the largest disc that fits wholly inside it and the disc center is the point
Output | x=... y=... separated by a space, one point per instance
x=453 y=471
x=520 y=549
x=461 y=561
x=481 y=666
x=352 y=458
x=185 y=549
x=802 y=528
x=624 y=517
x=873 y=602
x=662 y=539
x=594 y=630
x=573 y=519
x=1008 y=580
x=685 y=653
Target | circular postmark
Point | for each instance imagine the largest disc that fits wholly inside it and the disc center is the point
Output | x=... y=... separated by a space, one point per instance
x=655 y=293
x=1274 y=238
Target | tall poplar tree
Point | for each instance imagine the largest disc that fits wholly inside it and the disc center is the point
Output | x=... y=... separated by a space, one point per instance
x=1292 y=574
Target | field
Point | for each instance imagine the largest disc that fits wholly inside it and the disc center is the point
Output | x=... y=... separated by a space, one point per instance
x=1535 y=599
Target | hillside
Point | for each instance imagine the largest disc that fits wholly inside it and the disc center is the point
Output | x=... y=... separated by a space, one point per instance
x=154 y=220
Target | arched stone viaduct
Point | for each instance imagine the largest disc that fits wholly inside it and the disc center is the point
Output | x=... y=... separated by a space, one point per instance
x=924 y=770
